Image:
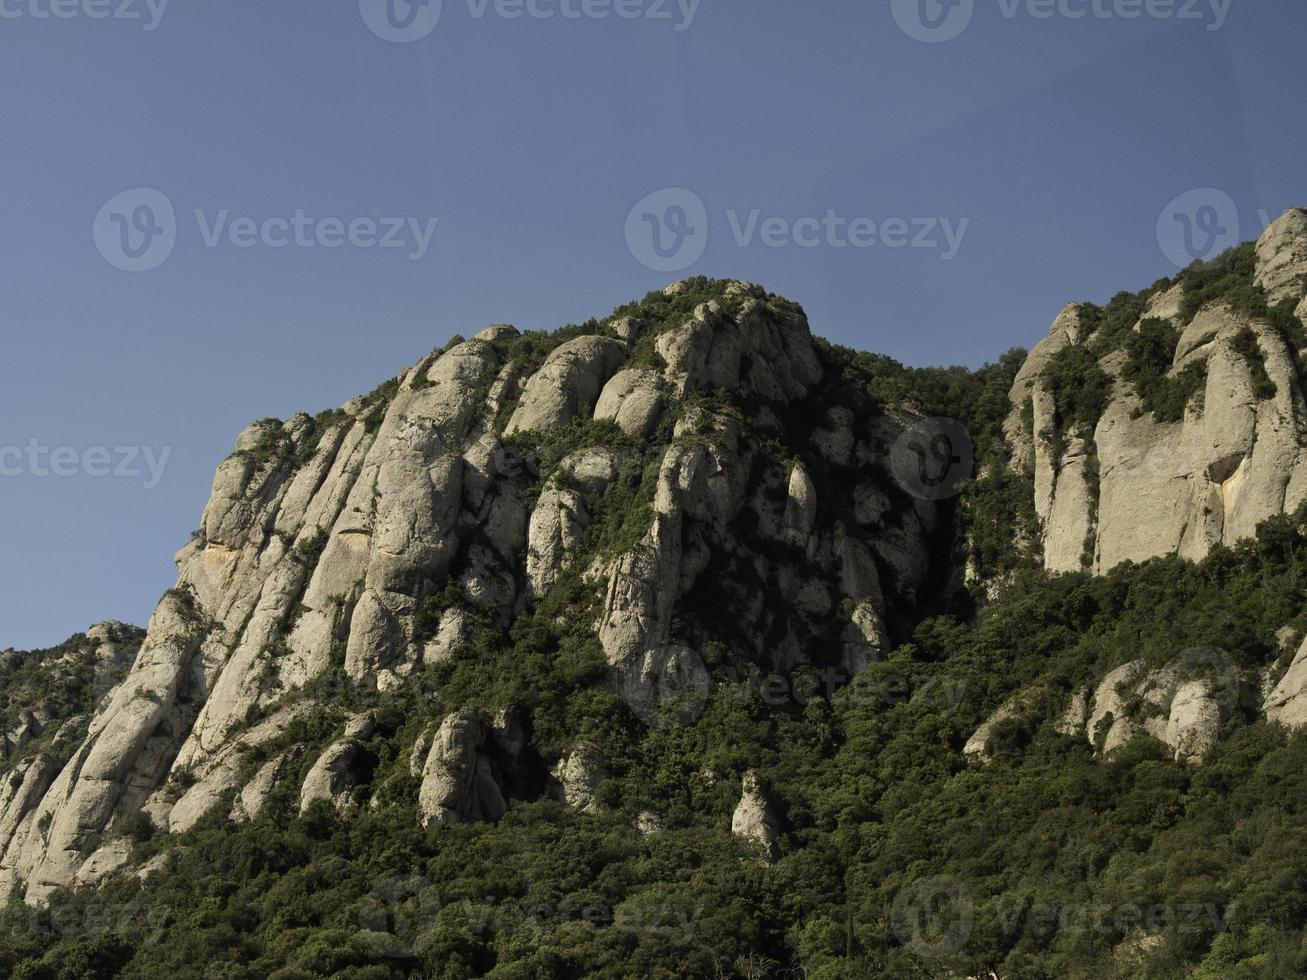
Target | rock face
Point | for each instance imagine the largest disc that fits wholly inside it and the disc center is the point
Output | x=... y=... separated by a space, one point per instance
x=1183 y=704
x=755 y=817
x=577 y=777
x=703 y=470
x=568 y=385
x=1282 y=259
x=360 y=546
x=337 y=773
x=1287 y=702
x=458 y=781
x=979 y=747
x=1136 y=488
x=632 y=399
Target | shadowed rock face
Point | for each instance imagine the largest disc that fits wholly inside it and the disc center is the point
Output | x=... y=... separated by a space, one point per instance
x=1182 y=487
x=325 y=541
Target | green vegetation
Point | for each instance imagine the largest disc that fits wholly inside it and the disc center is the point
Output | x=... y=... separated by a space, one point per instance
x=1228 y=277
x=1244 y=343
x=1064 y=857
x=1064 y=860
x=1080 y=390
x=1231 y=278
x=59 y=684
x=1151 y=353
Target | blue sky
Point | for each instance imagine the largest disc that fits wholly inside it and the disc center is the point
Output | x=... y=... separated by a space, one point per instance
x=1049 y=145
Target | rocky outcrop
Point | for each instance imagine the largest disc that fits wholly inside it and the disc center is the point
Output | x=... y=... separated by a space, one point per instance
x=105 y=861
x=577 y=777
x=1108 y=719
x=458 y=780
x=1183 y=704
x=254 y=795
x=83 y=669
x=1136 y=488
x=755 y=818
x=633 y=400
x=1287 y=701
x=800 y=506
x=980 y=747
x=337 y=774
x=1076 y=716
x=759 y=351
x=1282 y=260
x=561 y=516
x=568 y=385
x=178 y=807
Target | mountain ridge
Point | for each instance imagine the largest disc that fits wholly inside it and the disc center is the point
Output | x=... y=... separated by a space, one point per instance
x=511 y=574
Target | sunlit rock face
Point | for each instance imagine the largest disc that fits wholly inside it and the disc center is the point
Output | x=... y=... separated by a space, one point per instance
x=1135 y=488
x=339 y=556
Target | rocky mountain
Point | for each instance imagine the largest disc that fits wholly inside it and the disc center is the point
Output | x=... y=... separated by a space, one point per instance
x=512 y=574
x=1172 y=420
x=645 y=459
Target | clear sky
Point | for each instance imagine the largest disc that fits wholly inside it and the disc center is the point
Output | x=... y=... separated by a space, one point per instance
x=1030 y=148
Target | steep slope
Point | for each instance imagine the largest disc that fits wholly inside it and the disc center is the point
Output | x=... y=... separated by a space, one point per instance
x=694 y=481
x=1173 y=419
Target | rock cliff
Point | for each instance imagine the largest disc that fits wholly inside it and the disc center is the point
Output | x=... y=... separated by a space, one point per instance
x=692 y=487
x=1172 y=420
x=660 y=461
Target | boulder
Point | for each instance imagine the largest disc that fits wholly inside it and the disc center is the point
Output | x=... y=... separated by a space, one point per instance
x=800 y=506
x=339 y=772
x=577 y=777
x=755 y=818
x=1287 y=701
x=458 y=783
x=568 y=384
x=633 y=400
